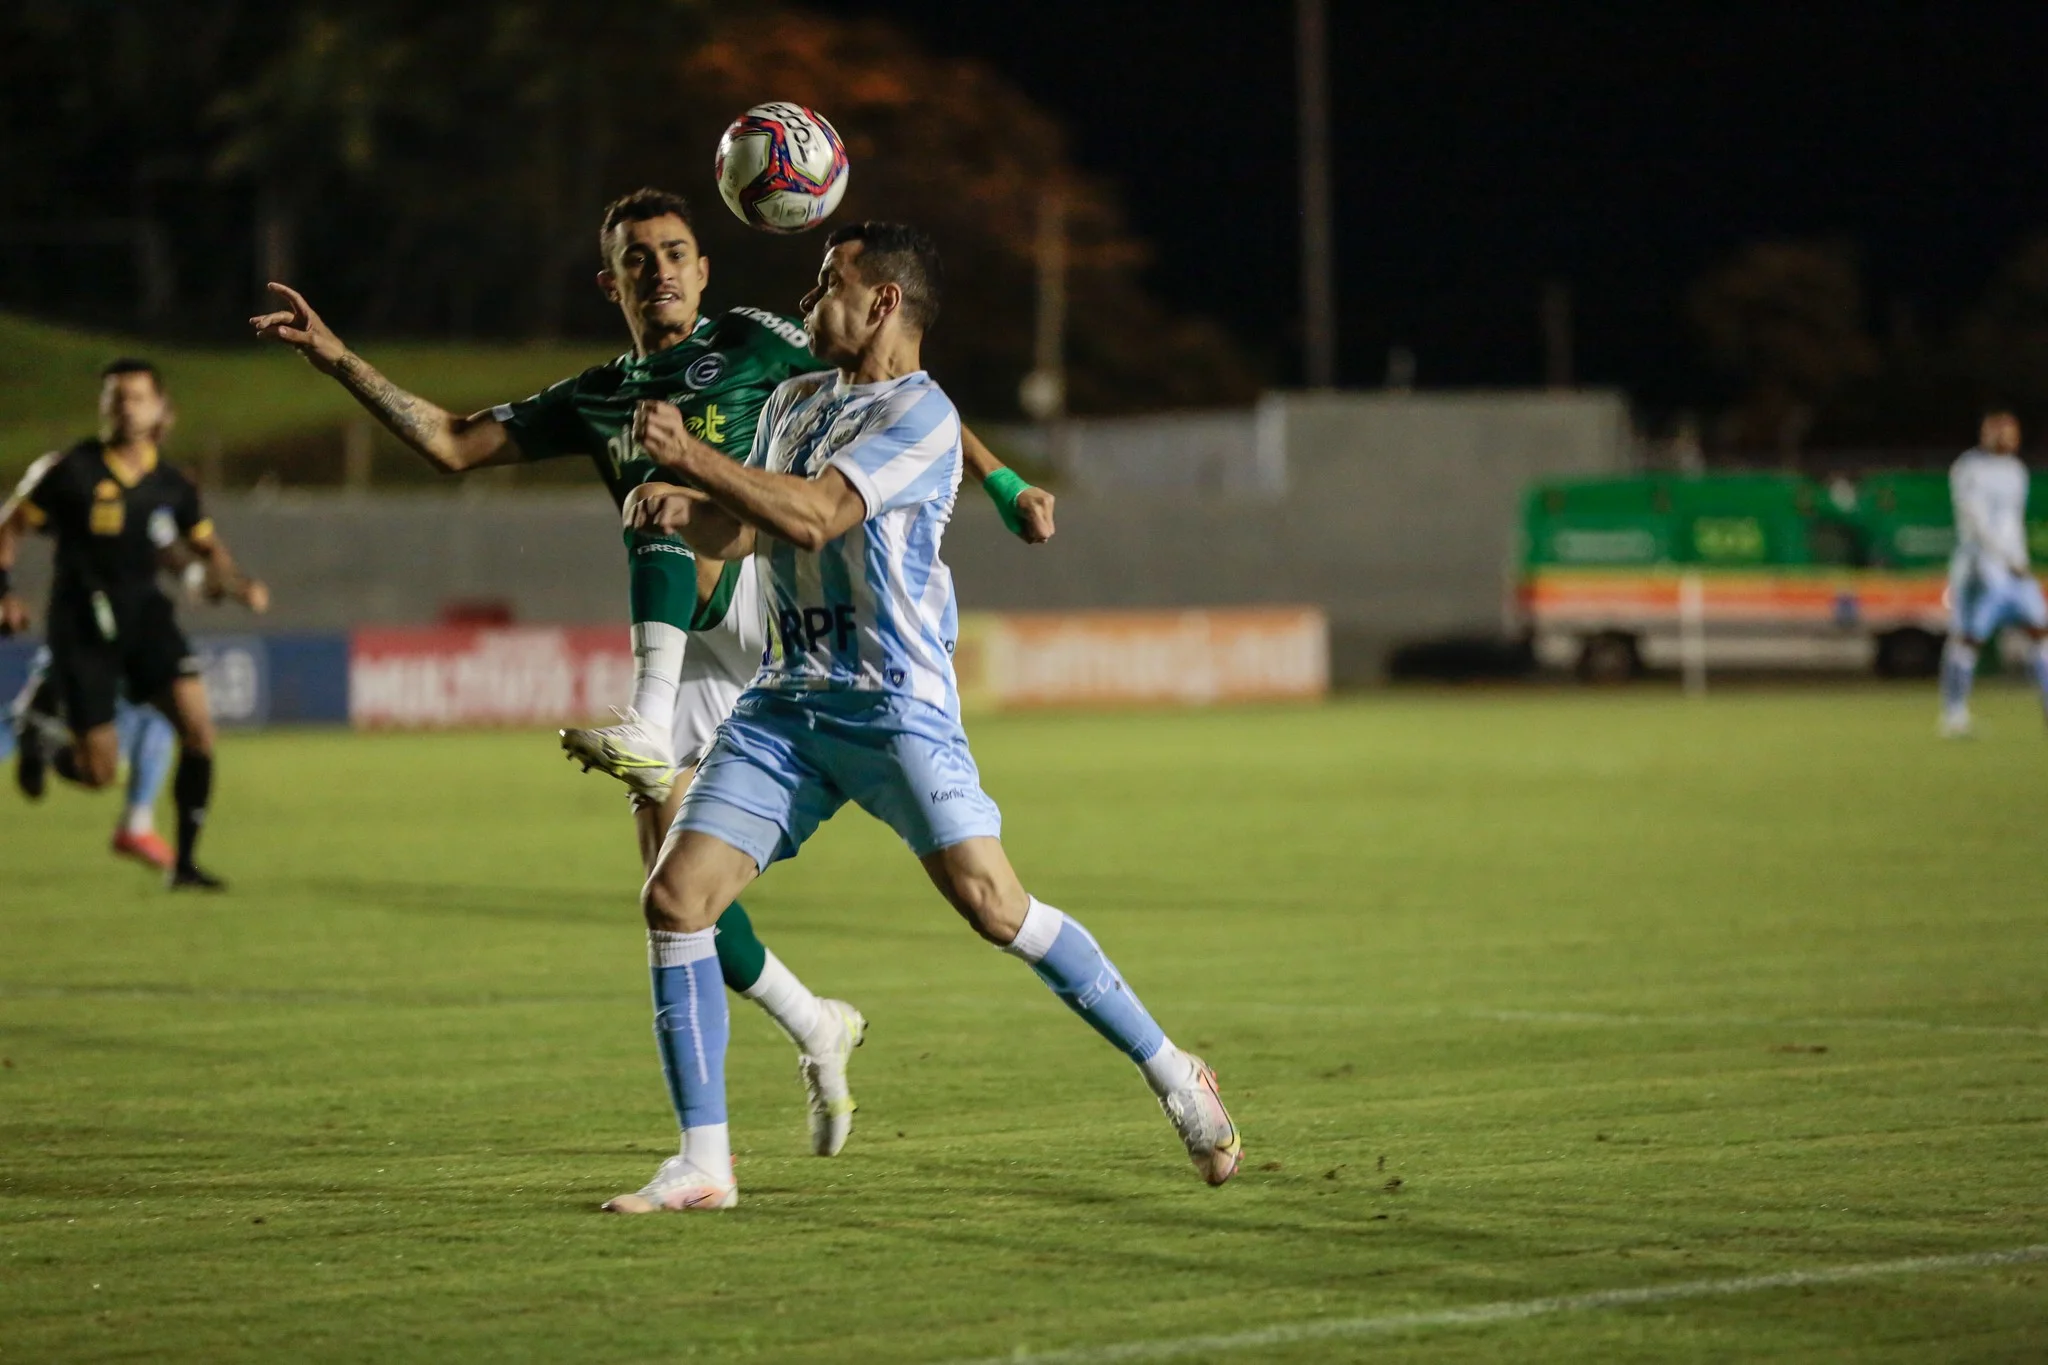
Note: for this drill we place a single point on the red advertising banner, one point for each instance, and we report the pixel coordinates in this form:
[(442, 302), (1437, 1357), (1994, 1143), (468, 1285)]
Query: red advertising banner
[(472, 675), (435, 676)]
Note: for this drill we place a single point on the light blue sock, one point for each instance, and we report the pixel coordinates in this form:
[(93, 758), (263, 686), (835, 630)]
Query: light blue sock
[(1958, 671), (691, 1027), (1068, 959), (151, 742)]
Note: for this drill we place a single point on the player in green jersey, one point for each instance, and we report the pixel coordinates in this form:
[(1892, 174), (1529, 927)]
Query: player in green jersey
[(696, 623)]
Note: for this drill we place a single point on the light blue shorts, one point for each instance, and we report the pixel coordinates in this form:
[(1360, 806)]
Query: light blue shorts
[(1983, 606), (783, 763)]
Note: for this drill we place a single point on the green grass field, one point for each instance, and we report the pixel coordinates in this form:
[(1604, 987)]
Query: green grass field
[(1515, 995)]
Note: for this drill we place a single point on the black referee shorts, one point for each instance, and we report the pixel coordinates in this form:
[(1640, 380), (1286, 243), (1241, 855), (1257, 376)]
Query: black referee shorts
[(147, 654)]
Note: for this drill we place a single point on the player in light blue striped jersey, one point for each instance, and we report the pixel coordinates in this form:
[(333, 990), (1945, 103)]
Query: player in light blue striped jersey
[(1991, 581), (872, 610), (845, 499)]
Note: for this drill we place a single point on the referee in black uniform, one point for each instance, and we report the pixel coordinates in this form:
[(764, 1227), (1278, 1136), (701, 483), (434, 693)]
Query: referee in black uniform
[(118, 515)]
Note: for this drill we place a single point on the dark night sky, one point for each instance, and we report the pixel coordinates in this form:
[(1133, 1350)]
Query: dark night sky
[(1483, 148)]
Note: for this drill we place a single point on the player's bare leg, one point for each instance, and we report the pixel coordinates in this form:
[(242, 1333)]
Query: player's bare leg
[(975, 876), (695, 878), (184, 703), (92, 758), (38, 731)]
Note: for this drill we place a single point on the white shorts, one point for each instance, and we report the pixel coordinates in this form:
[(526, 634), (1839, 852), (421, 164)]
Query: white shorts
[(717, 665)]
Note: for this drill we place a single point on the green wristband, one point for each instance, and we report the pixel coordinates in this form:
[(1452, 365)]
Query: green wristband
[(1004, 487)]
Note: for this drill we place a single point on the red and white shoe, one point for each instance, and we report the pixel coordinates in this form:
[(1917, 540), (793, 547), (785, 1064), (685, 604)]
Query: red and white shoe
[(148, 847), (1204, 1125), (678, 1187)]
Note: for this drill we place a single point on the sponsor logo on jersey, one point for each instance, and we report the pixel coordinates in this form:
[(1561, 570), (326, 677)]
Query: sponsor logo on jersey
[(709, 427), (781, 326), (704, 371)]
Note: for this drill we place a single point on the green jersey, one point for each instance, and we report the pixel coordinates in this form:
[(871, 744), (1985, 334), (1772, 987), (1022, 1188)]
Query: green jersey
[(719, 377)]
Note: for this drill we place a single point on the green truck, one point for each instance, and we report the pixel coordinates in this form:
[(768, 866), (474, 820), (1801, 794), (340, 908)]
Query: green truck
[(1747, 570)]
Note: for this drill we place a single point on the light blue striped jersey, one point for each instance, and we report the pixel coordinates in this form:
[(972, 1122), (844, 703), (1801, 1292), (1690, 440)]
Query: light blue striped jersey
[(1990, 496), (873, 611)]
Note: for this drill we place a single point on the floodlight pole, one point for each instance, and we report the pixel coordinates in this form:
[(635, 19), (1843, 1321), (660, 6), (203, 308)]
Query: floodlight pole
[(1043, 393), (1318, 266), (1049, 343)]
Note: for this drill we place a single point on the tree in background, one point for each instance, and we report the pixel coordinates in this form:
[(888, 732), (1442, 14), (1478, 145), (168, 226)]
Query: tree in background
[(106, 210), (1786, 319), (437, 171), (2003, 342), (958, 150)]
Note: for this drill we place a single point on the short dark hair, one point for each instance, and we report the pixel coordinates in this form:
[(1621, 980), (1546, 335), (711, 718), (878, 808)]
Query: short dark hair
[(129, 364), (639, 206), (899, 254)]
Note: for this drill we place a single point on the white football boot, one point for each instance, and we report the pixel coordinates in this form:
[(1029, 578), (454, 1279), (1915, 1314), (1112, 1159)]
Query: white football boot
[(1955, 725), (1204, 1124), (636, 751), (826, 1094), (678, 1187)]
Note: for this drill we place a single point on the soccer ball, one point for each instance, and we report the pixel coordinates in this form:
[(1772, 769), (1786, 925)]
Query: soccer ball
[(781, 168)]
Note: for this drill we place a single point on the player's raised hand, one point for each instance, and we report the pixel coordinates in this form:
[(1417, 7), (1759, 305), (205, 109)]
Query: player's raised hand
[(13, 615), (256, 596), (296, 325), (1034, 511)]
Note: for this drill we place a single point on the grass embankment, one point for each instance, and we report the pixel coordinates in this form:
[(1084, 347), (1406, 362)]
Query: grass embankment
[(251, 401)]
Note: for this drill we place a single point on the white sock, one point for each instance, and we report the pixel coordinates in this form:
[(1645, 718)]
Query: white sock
[(709, 1149), (657, 665), (140, 819), (790, 1004), (1042, 925), (1168, 1069)]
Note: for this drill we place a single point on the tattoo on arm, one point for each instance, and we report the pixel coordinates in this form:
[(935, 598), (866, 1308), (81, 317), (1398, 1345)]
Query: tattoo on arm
[(412, 419)]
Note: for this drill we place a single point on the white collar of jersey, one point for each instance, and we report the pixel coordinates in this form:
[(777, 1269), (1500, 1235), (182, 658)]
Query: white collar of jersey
[(840, 386)]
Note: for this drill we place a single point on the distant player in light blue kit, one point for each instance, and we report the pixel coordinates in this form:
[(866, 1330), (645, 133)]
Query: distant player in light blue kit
[(845, 497), (1991, 581)]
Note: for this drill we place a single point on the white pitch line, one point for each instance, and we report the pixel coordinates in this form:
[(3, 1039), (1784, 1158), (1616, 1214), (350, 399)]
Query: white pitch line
[(1509, 1310), (1728, 1021)]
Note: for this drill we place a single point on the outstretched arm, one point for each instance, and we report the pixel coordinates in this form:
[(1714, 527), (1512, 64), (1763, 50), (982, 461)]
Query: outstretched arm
[(224, 577), (18, 516), (449, 442), (1025, 509)]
